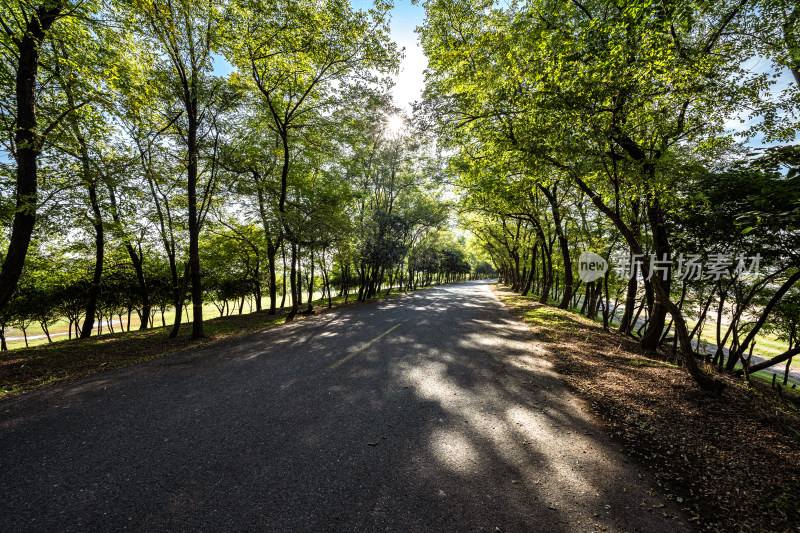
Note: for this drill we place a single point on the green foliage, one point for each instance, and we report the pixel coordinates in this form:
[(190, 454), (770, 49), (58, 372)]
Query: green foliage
[(601, 126), (145, 150)]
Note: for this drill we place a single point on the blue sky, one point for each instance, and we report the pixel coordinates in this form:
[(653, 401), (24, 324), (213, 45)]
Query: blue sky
[(405, 17), (784, 80)]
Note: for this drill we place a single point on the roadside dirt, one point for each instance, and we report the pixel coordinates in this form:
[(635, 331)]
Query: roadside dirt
[(730, 461)]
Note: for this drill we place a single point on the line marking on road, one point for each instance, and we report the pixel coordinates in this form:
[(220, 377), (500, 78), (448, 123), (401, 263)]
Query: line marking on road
[(349, 356)]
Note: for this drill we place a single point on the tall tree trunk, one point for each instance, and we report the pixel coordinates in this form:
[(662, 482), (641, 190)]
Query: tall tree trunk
[(99, 245), (293, 283), (194, 223), (299, 276), (257, 289), (719, 353), (283, 278), (567, 294), (27, 141), (273, 244), (179, 292), (652, 336), (626, 323), (547, 275), (346, 282), (703, 380), (586, 297), (327, 286), (361, 282), (515, 285), (607, 307), (310, 308), (136, 259), (272, 252), (563, 243), (532, 273)]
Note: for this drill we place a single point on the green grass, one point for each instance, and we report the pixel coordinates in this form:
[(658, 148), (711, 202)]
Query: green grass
[(548, 315), (544, 315), (766, 345), (30, 368), (210, 311), (650, 362), (766, 377)]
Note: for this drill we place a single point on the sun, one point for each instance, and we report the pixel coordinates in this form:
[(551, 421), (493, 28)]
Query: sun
[(395, 124)]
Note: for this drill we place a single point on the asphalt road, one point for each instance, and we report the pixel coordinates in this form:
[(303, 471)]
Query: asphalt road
[(427, 412)]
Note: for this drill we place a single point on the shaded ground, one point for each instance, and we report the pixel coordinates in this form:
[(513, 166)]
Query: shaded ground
[(732, 459), (426, 412)]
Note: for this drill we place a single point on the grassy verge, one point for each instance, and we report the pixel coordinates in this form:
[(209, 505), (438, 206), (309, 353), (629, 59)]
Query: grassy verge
[(792, 387), (30, 368), (731, 461), (59, 329), (767, 345)]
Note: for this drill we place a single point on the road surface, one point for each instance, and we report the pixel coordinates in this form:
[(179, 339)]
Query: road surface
[(428, 412)]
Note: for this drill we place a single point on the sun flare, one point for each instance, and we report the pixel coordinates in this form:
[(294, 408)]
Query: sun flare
[(395, 124)]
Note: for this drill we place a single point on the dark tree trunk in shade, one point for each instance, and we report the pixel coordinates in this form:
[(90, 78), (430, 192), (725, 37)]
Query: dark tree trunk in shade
[(97, 276), (27, 142)]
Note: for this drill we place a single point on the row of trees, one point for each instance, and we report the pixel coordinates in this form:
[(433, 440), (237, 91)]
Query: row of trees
[(55, 286), (604, 127), (165, 154)]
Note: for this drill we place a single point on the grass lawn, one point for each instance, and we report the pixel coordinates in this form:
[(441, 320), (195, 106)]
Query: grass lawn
[(25, 369), (767, 345), (762, 376), (58, 330)]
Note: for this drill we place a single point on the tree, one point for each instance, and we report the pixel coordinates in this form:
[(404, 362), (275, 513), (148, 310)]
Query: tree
[(26, 29), (606, 96), (298, 54), (188, 33)]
